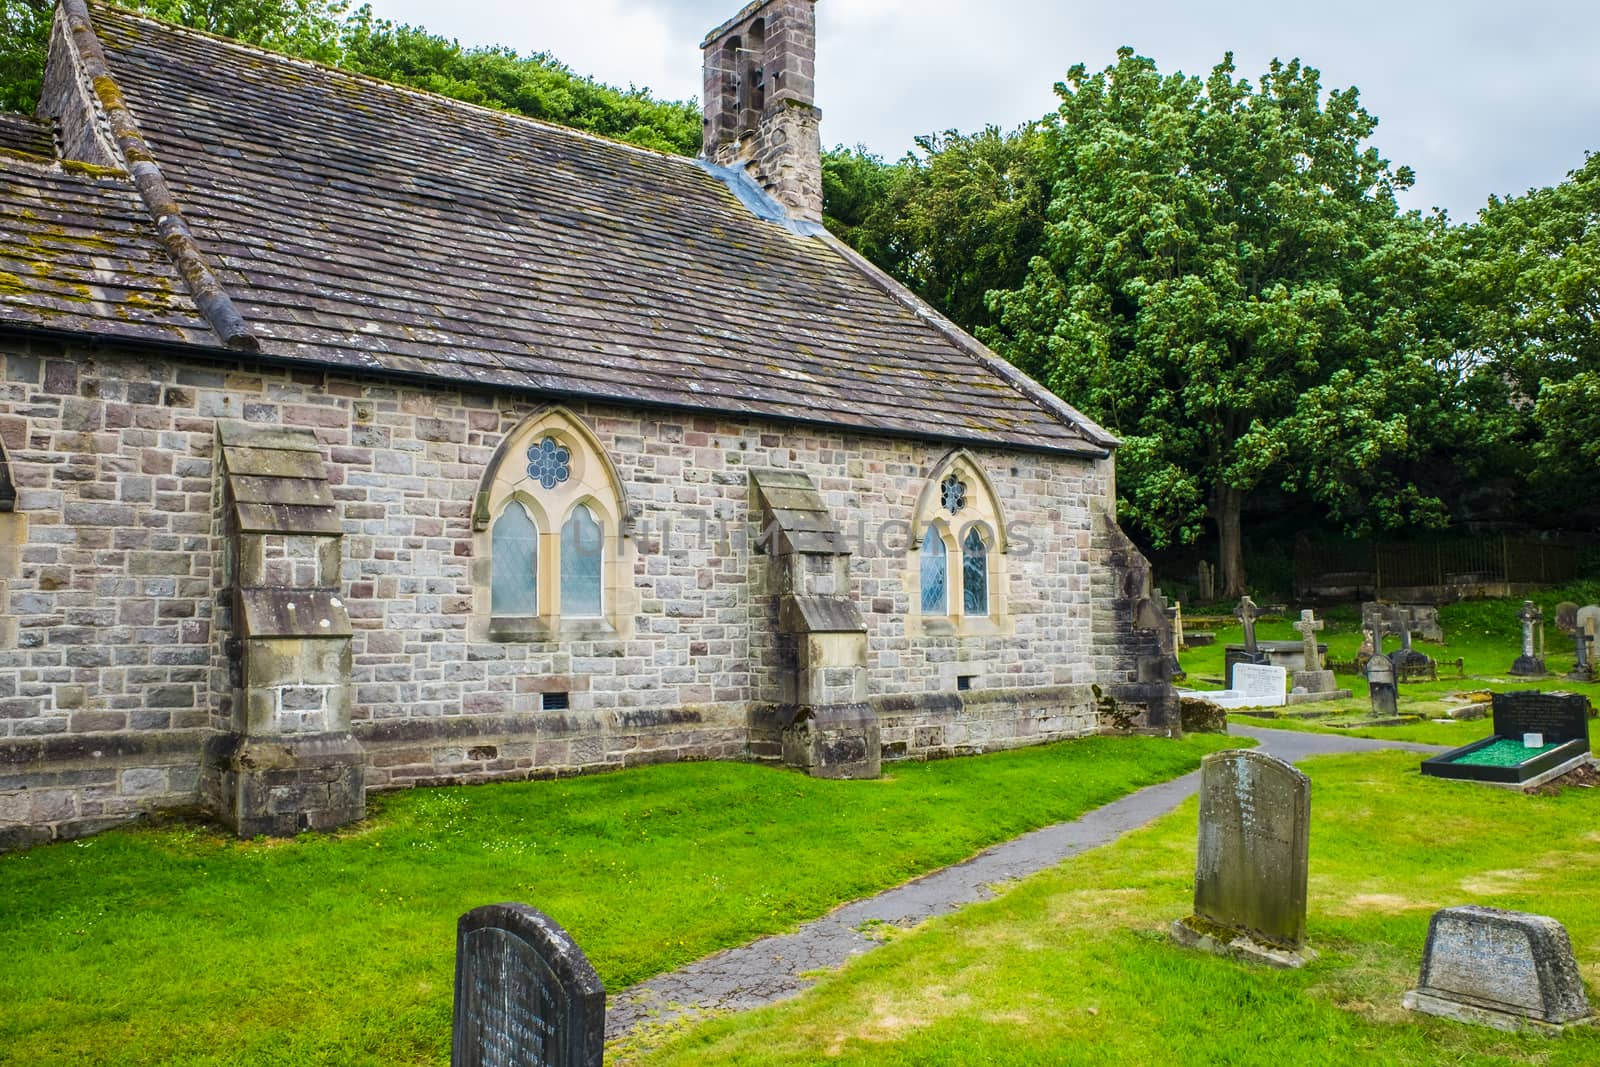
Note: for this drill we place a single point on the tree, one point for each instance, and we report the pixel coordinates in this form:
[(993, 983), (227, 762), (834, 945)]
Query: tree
[(954, 220), (328, 32), (24, 37), (1214, 286), (1531, 289)]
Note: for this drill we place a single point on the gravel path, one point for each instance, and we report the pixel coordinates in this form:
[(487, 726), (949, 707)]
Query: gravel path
[(770, 969)]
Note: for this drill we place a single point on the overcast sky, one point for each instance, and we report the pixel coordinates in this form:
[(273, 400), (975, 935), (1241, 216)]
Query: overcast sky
[(1479, 96)]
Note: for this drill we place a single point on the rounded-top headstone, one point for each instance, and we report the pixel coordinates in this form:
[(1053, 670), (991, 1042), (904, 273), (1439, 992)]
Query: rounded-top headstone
[(525, 994), (1567, 617), (1254, 845)]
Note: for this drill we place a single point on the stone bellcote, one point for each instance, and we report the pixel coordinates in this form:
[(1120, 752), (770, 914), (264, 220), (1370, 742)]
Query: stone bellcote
[(760, 78)]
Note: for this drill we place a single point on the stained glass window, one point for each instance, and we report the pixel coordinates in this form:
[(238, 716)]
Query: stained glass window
[(514, 551), (582, 551), (953, 493), (974, 574), (935, 579), (549, 462)]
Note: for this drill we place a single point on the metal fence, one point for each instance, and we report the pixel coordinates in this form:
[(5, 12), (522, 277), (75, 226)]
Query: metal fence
[(1370, 569)]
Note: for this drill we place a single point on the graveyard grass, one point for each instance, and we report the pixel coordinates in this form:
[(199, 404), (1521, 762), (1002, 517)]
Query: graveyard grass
[(1484, 634), (179, 945), (1074, 966)]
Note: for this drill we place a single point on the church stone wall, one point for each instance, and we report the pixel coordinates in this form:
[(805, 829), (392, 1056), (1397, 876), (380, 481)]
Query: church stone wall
[(114, 671)]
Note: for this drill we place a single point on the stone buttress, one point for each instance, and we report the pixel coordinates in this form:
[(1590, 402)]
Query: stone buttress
[(288, 762), (828, 728)]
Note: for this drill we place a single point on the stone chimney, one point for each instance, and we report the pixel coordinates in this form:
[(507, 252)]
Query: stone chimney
[(760, 72)]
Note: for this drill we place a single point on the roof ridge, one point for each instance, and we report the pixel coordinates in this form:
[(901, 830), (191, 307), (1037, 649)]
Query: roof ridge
[(182, 248), (399, 87), (980, 353)]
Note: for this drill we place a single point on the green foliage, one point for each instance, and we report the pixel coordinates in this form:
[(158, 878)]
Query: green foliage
[(24, 37), (1214, 286), (954, 220), (179, 945), (536, 85), (1531, 293), (327, 31)]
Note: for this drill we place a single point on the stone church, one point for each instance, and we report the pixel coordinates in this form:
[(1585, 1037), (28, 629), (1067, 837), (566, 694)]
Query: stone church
[(356, 438)]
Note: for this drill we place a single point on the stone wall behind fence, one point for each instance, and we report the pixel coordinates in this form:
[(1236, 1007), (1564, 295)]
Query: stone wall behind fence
[(113, 671)]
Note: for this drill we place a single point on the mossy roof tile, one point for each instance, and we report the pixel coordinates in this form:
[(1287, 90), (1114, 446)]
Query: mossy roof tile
[(362, 225)]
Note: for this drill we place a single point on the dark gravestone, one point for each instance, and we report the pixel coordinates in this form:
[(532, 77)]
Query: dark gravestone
[(1547, 735), (1505, 969), (1556, 716), (1250, 867), (1382, 687), (525, 993)]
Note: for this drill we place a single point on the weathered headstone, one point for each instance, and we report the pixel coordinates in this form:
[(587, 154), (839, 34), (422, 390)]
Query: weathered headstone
[(1247, 613), (1531, 663), (1308, 626), (1313, 683), (1382, 687), (1251, 865), (1567, 617), (1504, 969), (525, 994), (1586, 626), (1206, 580), (1177, 625)]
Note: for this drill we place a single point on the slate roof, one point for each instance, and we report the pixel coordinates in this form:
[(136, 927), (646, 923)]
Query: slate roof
[(369, 227)]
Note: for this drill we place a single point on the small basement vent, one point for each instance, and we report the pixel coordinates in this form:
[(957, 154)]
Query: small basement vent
[(557, 701), (964, 682)]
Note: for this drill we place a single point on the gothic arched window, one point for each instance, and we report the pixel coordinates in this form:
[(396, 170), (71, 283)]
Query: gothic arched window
[(515, 555), (582, 559), (974, 574), (935, 573)]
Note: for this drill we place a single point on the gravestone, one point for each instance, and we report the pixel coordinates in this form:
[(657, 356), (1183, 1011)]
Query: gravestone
[(1567, 617), (1586, 626), (1313, 683), (1247, 613), (1537, 737), (1382, 688), (1177, 626), (1260, 685), (1206, 581), (1504, 969), (1405, 657), (1250, 867), (525, 994), (1531, 663)]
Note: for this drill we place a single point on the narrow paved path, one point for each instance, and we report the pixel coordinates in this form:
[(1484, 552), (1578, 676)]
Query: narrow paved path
[(770, 969)]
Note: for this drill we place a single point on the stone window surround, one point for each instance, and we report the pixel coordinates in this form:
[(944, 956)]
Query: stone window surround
[(593, 483), (981, 509)]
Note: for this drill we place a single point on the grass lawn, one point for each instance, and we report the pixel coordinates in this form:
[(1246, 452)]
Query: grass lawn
[(179, 945), (1074, 965), (1485, 635)]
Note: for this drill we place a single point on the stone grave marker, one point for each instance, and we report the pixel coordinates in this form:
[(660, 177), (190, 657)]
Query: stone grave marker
[(1567, 617), (1251, 863), (1260, 685), (1586, 625), (1504, 969), (1531, 663), (525, 994), (1537, 737), (1247, 613), (1382, 688), (1313, 683), (1206, 583)]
